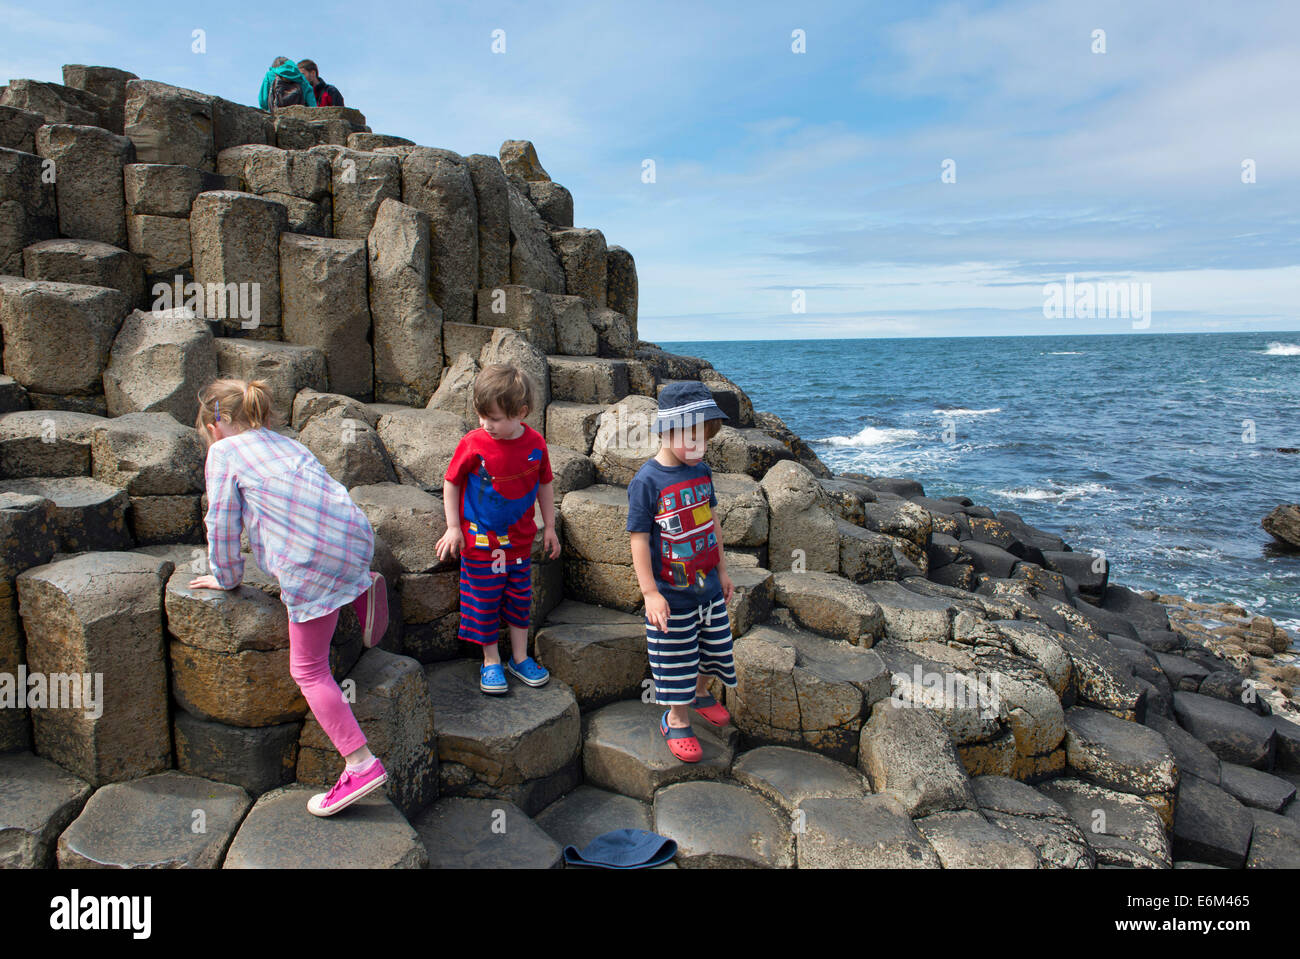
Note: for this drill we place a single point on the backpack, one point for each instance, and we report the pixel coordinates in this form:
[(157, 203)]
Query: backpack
[(285, 93)]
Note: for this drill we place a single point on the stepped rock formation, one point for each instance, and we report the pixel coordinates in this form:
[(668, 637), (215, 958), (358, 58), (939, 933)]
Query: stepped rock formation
[(923, 683)]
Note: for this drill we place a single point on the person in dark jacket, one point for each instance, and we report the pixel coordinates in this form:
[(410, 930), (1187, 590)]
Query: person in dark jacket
[(327, 95), (284, 86)]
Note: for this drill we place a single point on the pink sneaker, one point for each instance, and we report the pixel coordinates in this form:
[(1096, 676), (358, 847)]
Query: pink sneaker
[(374, 615), (349, 788)]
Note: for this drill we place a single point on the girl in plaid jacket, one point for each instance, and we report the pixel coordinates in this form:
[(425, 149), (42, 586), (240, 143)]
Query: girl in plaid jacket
[(304, 530)]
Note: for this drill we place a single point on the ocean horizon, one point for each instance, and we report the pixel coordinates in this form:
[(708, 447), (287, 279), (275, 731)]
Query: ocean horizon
[(1161, 450)]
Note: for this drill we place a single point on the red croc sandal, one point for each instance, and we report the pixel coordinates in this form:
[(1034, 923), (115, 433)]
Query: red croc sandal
[(681, 742), (712, 710)]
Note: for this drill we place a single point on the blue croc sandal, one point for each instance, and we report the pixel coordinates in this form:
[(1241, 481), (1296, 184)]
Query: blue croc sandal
[(681, 742), (492, 679), (528, 672)]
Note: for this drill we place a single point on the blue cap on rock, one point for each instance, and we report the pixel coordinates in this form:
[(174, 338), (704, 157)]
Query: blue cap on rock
[(684, 403), (623, 849)]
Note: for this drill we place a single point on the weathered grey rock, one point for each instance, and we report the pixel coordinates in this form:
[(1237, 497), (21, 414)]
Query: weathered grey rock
[(266, 170), (601, 662), (159, 520), (989, 559), (1287, 738), (169, 124), (87, 262), (1190, 754), (583, 255), (148, 454), (305, 217), (575, 335), (455, 392), (519, 158), (720, 826), (623, 750), (278, 833), (235, 238), (407, 322), (464, 339), (587, 812), (1209, 825), (513, 348), (373, 141), (256, 760), (909, 616), (1123, 829), (525, 750), (165, 821), (1257, 789), (27, 208), (55, 102), (1102, 676), (286, 368), (361, 183), (951, 685), (1274, 842), (791, 777), (588, 379), (236, 124), (162, 245), (553, 202), (1040, 822), (46, 443), (595, 521), (88, 163), (37, 801), (57, 336), (1101, 621), (533, 260), (751, 600), (1283, 523), (966, 840), (909, 755), (802, 532), (393, 707), (870, 832), (484, 834), (741, 513), (438, 182), (573, 424), (325, 305), (796, 688), (158, 364), (349, 448), (1119, 755), (493, 202), (87, 514), (309, 403), (107, 83), (520, 308), (824, 603), (750, 451), (621, 285), (408, 519), (421, 443), (1234, 733), (1183, 674), (18, 129), (100, 614)]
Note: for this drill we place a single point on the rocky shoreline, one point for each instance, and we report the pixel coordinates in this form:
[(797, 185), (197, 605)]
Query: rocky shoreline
[(923, 682)]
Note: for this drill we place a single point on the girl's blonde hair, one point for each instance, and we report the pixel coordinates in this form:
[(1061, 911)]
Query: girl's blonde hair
[(245, 404)]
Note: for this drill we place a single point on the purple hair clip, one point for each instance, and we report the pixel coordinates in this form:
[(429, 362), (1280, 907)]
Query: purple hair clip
[(218, 410)]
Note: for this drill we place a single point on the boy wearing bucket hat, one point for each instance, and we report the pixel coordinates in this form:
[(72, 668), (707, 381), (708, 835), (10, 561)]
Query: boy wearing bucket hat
[(678, 557)]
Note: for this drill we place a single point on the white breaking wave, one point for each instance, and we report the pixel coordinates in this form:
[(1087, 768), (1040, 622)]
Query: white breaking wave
[(960, 411), (1282, 349), (1066, 353), (873, 436), (1057, 493)]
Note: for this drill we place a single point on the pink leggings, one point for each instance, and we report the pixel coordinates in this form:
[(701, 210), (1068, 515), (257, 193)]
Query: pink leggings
[(309, 665)]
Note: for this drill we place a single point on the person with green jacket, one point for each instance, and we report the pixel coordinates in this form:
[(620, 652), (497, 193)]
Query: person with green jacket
[(284, 85)]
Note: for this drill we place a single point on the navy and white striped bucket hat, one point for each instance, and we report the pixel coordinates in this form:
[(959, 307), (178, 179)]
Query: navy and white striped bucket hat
[(683, 404)]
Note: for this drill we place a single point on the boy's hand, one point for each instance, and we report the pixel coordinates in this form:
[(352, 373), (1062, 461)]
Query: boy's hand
[(205, 582), (728, 587), (550, 542), (656, 610), (452, 542)]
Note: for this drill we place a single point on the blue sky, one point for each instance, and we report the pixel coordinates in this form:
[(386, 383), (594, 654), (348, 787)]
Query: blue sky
[(820, 171)]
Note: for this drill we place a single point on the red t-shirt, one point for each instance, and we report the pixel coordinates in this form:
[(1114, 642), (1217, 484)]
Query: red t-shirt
[(499, 480)]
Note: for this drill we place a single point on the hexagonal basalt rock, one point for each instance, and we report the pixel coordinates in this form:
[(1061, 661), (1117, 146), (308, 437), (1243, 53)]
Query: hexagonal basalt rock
[(789, 777), (1119, 755), (522, 747), (464, 833), (870, 832), (88, 514), (588, 812), (722, 826), (826, 604), (966, 840), (909, 755), (167, 821), (1038, 821), (798, 688), (95, 634), (909, 616), (601, 662), (255, 759), (595, 521), (1210, 825), (279, 833), (1122, 829), (623, 750), (37, 801), (1234, 733), (949, 684)]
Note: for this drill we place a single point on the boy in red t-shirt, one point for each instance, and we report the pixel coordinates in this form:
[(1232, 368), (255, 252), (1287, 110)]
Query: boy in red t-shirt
[(498, 473)]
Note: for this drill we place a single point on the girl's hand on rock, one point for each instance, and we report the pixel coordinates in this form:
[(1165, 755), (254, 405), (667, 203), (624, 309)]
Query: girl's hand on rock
[(205, 582)]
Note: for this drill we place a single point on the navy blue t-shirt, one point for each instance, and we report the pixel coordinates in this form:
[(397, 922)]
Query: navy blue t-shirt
[(674, 504)]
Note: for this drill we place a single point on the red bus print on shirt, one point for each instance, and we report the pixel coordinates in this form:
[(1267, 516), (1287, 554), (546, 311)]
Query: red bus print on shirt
[(687, 536)]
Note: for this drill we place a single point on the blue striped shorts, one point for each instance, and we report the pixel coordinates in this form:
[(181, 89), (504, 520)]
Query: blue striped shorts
[(487, 596), (697, 640)]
